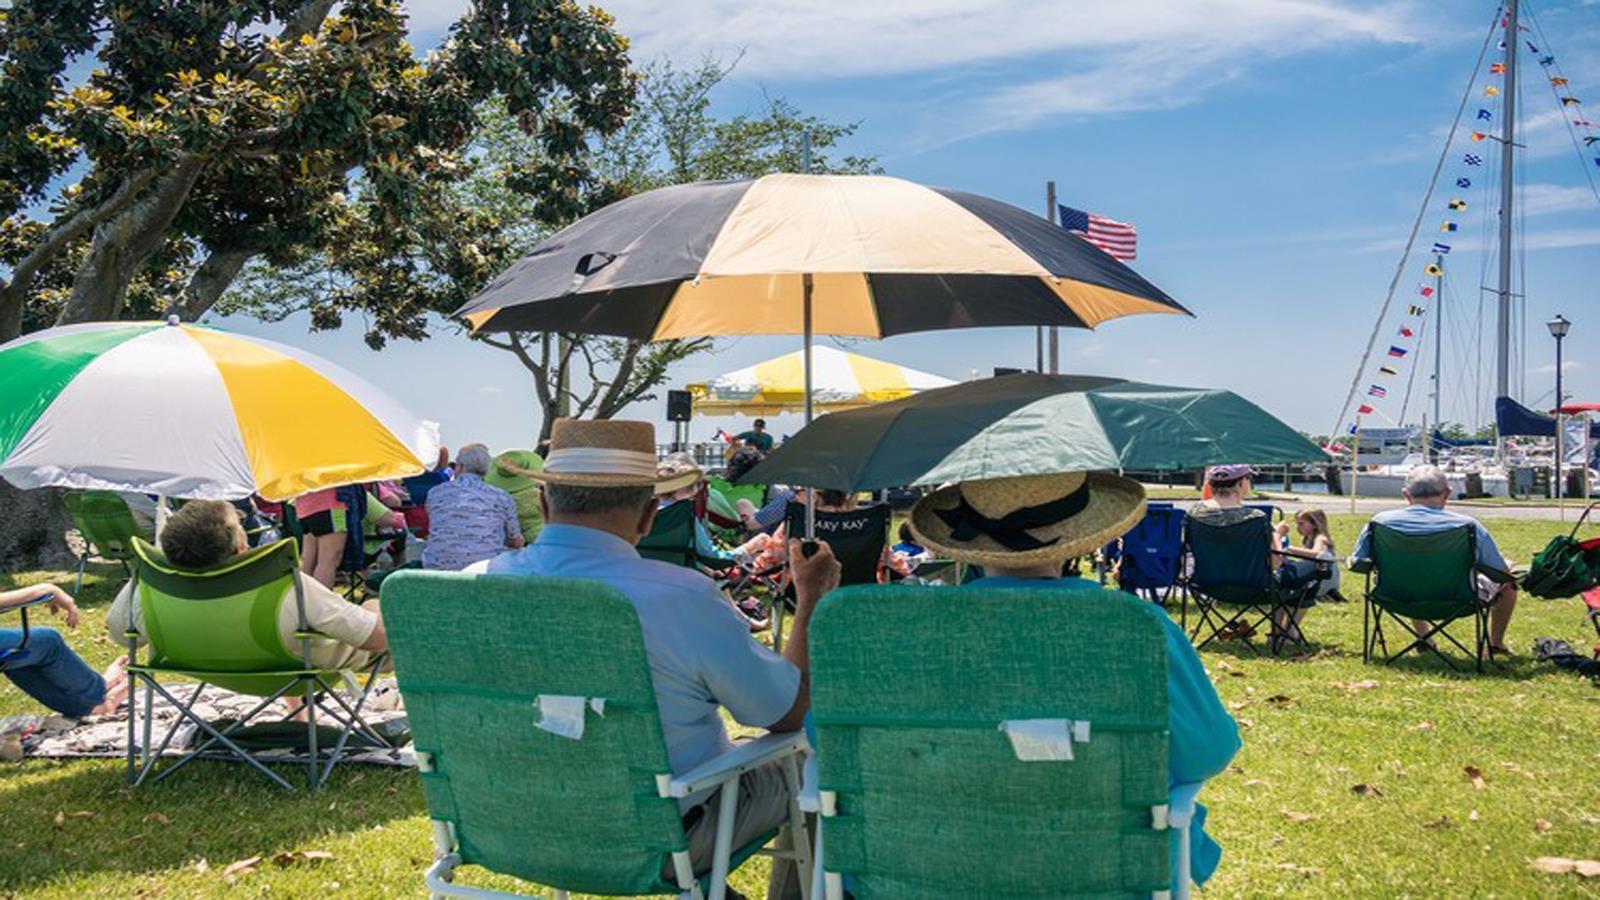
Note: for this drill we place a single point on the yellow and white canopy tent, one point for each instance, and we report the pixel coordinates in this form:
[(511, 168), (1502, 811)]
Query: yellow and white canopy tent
[(840, 381)]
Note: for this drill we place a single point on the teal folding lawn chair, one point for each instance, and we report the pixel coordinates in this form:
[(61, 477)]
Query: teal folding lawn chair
[(539, 743), (1430, 578), (107, 526), (671, 539), (1235, 588), (220, 627), (964, 750)]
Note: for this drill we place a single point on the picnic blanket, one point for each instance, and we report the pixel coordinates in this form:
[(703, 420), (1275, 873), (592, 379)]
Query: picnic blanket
[(107, 736)]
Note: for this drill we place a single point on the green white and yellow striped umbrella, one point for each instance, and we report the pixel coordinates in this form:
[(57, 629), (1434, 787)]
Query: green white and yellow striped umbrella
[(840, 381), (188, 411)]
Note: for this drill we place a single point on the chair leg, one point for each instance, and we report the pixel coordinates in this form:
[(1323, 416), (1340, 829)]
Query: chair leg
[(83, 561), (133, 719), (309, 689), (798, 838), (727, 810)]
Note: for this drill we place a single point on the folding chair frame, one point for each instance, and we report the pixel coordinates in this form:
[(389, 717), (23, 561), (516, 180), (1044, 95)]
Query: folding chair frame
[(22, 645), (308, 681), (1374, 644), (722, 773), (1273, 599)]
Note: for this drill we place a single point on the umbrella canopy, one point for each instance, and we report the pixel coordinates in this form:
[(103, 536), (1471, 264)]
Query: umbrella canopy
[(840, 381), (879, 255), (1031, 424), (186, 411)]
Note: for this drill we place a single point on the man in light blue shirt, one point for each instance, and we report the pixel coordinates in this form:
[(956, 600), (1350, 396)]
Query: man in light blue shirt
[(599, 499), (1427, 491)]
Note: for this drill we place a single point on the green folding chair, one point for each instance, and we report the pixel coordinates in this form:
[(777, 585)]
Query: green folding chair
[(220, 627), (671, 539), (965, 751), (1430, 578), (107, 526), (1234, 586), (487, 664)]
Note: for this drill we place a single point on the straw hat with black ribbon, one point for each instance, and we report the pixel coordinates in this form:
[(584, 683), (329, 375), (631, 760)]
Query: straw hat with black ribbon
[(608, 453), (1027, 520)]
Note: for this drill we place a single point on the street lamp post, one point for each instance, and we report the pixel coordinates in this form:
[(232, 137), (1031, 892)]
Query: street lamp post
[(1559, 326)]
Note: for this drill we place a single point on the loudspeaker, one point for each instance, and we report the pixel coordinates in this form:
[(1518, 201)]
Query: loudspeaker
[(680, 405)]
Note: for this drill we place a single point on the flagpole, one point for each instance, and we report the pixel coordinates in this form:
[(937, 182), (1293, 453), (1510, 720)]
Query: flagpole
[(1438, 346), (1055, 334)]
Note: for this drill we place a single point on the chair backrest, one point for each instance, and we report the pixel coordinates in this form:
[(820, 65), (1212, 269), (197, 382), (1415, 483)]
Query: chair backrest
[(104, 520), (911, 684), (671, 537), (473, 654), (1232, 562), (857, 538), (1152, 553), (755, 493), (1424, 576), (223, 619), (354, 498)]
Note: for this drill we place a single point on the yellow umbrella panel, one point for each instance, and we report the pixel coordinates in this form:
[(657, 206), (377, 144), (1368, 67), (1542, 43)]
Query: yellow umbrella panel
[(840, 381)]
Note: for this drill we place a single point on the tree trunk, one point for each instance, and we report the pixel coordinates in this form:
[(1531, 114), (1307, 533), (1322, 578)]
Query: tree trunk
[(209, 282), (32, 531)]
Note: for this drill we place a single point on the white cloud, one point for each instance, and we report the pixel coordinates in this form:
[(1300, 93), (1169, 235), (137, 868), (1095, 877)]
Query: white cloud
[(1092, 58), (1563, 238), (1544, 199), (491, 389)]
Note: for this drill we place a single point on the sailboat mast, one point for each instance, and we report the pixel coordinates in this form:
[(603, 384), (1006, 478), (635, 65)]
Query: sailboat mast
[(1438, 350), (1508, 137)]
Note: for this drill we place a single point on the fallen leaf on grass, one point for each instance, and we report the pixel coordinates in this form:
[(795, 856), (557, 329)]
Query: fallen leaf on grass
[(1299, 870), (1542, 824), (1472, 816), (1515, 769), (201, 866), (1354, 686), (1475, 775), (1293, 816), (1366, 790), (1245, 723), (1237, 705), (156, 817), (1420, 726), (60, 820), (1441, 822), (297, 857), (1560, 865), (82, 814), (1254, 782), (240, 868), (1281, 699)]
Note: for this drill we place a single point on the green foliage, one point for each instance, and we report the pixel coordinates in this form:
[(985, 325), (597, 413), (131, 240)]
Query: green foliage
[(233, 128)]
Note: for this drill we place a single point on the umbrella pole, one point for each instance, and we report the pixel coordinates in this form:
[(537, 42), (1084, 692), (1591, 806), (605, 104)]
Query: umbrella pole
[(805, 312)]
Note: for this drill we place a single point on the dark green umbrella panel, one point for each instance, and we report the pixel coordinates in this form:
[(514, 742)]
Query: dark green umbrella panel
[(1029, 424)]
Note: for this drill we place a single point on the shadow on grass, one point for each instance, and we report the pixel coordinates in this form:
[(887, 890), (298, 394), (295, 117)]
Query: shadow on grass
[(220, 812)]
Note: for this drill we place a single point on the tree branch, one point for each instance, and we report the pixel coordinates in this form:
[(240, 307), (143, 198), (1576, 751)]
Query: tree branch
[(209, 281)]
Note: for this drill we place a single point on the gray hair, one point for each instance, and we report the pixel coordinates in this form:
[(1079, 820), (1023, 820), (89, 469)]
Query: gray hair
[(474, 458), (1426, 482), (582, 499)]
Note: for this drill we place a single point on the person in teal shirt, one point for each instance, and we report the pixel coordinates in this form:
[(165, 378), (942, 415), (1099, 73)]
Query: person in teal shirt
[(757, 437), (1022, 530)]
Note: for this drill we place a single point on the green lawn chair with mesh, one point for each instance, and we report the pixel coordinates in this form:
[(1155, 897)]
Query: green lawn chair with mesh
[(965, 751), (1235, 587), (539, 743), (1431, 578), (220, 627), (107, 526), (671, 539)]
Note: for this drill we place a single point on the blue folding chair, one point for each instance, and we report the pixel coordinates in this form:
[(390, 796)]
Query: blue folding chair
[(1152, 553)]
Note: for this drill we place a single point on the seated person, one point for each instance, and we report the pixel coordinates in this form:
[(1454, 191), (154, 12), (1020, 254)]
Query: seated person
[(510, 474), (48, 670), (469, 520), (679, 466), (206, 533), (1315, 536), (961, 522), (381, 522), (907, 553), (756, 437), (1427, 491), (596, 508)]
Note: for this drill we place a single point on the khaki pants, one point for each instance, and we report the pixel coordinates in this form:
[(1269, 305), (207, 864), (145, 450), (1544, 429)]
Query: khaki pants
[(762, 806)]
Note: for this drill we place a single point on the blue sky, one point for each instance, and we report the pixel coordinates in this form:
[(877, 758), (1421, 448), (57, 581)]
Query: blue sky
[(1272, 153)]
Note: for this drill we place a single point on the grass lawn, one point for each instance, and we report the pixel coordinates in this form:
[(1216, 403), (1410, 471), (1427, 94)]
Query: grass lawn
[(1287, 814)]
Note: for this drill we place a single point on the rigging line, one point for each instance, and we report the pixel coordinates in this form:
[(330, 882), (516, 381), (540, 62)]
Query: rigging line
[(1422, 210), (1572, 130), (1416, 362)]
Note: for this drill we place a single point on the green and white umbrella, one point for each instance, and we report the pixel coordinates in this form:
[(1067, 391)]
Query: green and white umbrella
[(187, 411)]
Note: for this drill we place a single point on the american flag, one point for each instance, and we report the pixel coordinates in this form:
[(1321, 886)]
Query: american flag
[(1119, 239)]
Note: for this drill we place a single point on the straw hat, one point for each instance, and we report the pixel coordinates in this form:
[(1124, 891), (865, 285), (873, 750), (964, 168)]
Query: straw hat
[(607, 453), (1028, 519)]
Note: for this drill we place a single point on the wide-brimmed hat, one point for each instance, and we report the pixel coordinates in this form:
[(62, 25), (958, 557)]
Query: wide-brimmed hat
[(607, 453), (1028, 519), (512, 471)]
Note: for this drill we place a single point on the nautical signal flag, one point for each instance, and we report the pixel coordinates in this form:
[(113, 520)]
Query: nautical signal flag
[(1478, 135), (1558, 81), (1463, 182), (1416, 310), (1448, 225), (1425, 290), (1441, 249), (1590, 140), (1458, 204), (1377, 390), (1471, 160), (1405, 331), (1491, 91), (1362, 410), (1497, 68), (1388, 370), (1484, 114), (1396, 352), (1570, 101), (1433, 270), (1545, 60)]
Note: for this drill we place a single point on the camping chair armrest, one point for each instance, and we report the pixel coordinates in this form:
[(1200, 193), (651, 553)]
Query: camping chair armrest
[(1183, 795), (35, 601), (742, 758), (1493, 574), (1361, 566)]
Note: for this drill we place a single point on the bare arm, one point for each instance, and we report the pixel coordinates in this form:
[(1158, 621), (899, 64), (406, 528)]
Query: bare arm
[(813, 578), (61, 602)]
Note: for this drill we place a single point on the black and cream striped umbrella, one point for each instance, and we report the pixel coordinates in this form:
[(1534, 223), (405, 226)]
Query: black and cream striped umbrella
[(873, 255)]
